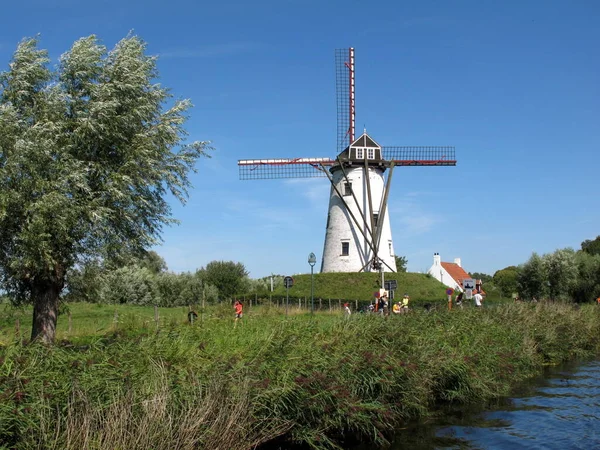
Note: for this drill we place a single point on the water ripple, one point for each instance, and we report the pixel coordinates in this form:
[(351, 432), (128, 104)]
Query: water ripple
[(562, 412)]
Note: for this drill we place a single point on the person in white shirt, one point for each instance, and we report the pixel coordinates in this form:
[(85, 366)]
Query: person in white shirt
[(347, 309), (478, 299)]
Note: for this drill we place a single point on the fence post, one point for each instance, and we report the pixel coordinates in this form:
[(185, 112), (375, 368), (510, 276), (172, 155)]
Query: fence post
[(329, 305), (339, 303), (299, 303), (356, 304), (203, 305)]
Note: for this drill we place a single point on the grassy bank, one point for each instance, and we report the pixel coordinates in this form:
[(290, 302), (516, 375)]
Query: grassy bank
[(320, 381)]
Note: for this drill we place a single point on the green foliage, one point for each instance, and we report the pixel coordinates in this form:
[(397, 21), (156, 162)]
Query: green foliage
[(532, 279), (506, 281), (587, 287), (184, 289), (561, 271), (591, 247), (131, 284), (84, 282), (229, 277), (88, 153), (401, 263), (484, 277), (561, 275), (153, 262)]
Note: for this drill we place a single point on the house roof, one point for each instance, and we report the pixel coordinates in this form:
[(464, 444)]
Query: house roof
[(456, 272), (363, 141)]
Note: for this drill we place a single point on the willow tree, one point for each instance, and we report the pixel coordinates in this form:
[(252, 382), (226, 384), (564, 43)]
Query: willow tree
[(89, 151)]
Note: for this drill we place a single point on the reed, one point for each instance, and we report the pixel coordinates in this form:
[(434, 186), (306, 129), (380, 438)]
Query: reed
[(322, 381)]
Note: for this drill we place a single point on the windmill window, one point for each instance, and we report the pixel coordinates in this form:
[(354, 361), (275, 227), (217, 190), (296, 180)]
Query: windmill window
[(375, 218), (390, 247), (370, 153), (345, 248), (359, 153), (347, 189)]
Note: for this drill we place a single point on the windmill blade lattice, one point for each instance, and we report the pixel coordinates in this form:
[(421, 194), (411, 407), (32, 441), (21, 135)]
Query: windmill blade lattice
[(420, 155), (344, 95), (262, 169)]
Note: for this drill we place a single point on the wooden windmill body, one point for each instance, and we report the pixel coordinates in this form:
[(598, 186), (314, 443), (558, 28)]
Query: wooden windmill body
[(358, 234)]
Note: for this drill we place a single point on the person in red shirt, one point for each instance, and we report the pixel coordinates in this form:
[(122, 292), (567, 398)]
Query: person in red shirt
[(238, 310)]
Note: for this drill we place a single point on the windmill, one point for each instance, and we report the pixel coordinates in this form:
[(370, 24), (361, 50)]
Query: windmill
[(358, 234)]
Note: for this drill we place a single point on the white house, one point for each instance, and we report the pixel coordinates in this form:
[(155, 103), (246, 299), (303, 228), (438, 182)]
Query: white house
[(450, 274)]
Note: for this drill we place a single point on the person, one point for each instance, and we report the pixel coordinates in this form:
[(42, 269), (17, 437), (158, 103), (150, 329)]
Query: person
[(239, 308), (405, 301), (380, 308), (347, 309), (397, 308), (192, 316), (478, 298), (458, 300), (598, 301), (386, 310)]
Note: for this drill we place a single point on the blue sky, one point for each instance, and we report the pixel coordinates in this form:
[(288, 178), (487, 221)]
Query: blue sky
[(513, 85)]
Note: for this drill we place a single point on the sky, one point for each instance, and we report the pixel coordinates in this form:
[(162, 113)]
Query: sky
[(514, 86)]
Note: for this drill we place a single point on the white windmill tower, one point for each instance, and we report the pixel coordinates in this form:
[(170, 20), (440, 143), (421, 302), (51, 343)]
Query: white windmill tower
[(357, 223), (358, 235)]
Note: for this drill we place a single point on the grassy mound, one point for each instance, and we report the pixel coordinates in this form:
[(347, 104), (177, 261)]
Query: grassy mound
[(361, 286)]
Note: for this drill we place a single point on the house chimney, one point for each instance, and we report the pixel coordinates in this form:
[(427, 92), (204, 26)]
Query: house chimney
[(457, 262), (436, 259)]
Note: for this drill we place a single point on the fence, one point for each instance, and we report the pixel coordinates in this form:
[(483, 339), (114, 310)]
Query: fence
[(306, 303)]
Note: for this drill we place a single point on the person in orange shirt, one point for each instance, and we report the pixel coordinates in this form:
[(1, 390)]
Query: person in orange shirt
[(598, 301), (238, 310)]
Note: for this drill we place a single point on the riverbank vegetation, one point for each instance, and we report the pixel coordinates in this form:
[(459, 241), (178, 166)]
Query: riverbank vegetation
[(321, 381)]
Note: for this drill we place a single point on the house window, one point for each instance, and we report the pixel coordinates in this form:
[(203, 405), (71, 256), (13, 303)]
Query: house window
[(347, 189), (370, 153), (359, 153), (345, 248)]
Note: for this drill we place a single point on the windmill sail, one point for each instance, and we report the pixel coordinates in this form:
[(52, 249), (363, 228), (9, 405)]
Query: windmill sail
[(420, 155), (261, 169), (358, 231), (344, 93)]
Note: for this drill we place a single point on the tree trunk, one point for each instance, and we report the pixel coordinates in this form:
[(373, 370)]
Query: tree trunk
[(45, 297)]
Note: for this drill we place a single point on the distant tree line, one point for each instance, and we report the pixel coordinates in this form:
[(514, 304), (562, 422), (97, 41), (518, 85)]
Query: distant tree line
[(564, 274), (145, 280)]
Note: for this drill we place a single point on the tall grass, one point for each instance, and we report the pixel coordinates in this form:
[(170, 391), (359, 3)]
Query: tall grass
[(322, 381)]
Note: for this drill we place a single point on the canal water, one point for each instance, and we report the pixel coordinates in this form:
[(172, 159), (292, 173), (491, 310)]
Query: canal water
[(558, 411)]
